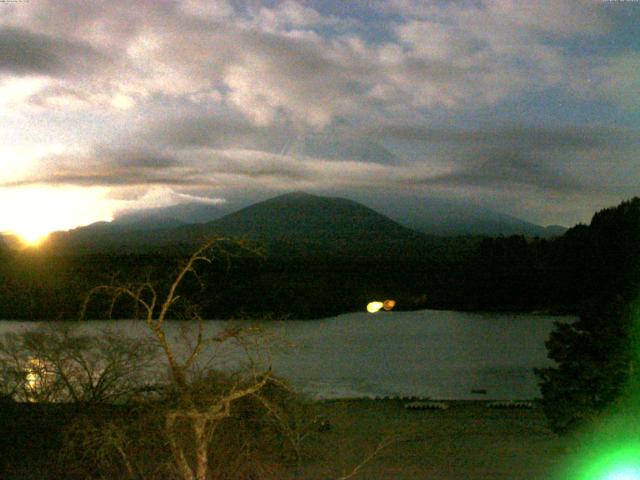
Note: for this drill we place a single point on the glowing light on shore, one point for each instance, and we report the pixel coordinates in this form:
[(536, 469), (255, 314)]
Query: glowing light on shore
[(376, 306), (373, 307)]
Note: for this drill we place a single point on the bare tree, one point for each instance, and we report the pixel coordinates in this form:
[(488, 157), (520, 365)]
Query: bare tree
[(58, 363), (195, 410)]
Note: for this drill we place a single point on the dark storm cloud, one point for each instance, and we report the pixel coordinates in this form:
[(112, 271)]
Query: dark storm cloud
[(238, 133), (107, 179), (563, 160), (23, 52), (260, 172), (504, 168), (107, 166), (250, 165), (137, 159), (113, 167), (563, 138)]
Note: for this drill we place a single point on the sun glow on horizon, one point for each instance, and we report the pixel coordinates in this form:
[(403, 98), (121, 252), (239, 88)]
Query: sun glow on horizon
[(31, 238), (31, 214)]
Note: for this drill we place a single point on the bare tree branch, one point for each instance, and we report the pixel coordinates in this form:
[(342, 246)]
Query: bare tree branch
[(368, 458)]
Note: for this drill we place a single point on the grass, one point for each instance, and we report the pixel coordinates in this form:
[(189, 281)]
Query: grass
[(466, 441)]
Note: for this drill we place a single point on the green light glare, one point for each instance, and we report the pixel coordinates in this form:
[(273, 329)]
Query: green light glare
[(620, 462), (625, 473), (610, 448)]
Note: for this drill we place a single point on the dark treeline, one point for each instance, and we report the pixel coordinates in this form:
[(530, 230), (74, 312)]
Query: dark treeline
[(298, 280)]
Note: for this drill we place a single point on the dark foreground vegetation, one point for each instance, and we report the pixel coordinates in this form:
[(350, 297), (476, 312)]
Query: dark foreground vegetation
[(468, 440), (299, 279), (596, 376), (130, 440)]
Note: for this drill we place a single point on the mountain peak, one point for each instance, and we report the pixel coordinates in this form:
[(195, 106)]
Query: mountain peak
[(296, 193), (307, 216)]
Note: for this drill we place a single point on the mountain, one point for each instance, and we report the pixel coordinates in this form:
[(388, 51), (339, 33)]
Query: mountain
[(554, 231), (111, 235), (138, 228), (429, 215), (296, 222), (304, 216), (436, 216), (303, 222), (312, 226), (192, 212)]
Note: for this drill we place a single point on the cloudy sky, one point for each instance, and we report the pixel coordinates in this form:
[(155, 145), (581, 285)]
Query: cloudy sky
[(527, 107)]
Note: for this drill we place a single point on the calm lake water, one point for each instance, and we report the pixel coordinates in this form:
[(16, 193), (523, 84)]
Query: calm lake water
[(437, 354)]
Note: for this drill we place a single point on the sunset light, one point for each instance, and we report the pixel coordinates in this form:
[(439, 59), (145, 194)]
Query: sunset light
[(31, 237), (33, 213)]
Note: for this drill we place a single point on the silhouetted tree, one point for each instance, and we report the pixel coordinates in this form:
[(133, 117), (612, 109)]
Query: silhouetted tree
[(596, 360), (596, 356)]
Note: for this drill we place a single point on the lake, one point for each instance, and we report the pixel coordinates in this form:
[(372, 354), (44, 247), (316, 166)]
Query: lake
[(428, 353)]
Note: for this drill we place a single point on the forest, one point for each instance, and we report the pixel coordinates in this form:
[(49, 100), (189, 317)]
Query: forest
[(298, 280)]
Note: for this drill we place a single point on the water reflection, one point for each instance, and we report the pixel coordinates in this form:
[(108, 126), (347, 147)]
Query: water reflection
[(438, 354), (38, 374), (64, 363)]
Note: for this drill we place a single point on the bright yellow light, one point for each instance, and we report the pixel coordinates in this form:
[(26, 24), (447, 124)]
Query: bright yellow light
[(32, 213), (32, 237), (374, 307)]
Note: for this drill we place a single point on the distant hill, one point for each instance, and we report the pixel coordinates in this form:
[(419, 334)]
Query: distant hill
[(436, 216), (139, 228), (113, 235), (183, 213), (301, 222), (554, 231), (430, 215), (308, 217)]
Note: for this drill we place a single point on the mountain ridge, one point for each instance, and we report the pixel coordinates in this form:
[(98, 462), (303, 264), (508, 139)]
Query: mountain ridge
[(294, 217), (301, 221)]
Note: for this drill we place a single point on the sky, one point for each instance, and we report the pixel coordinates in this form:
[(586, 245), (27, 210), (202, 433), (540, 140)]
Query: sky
[(527, 108)]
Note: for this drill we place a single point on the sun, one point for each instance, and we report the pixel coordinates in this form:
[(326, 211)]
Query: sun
[(31, 237), (31, 214)]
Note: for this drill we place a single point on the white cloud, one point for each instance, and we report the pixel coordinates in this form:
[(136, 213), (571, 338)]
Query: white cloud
[(289, 14), (273, 64), (163, 196), (20, 160), (15, 91), (210, 9)]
